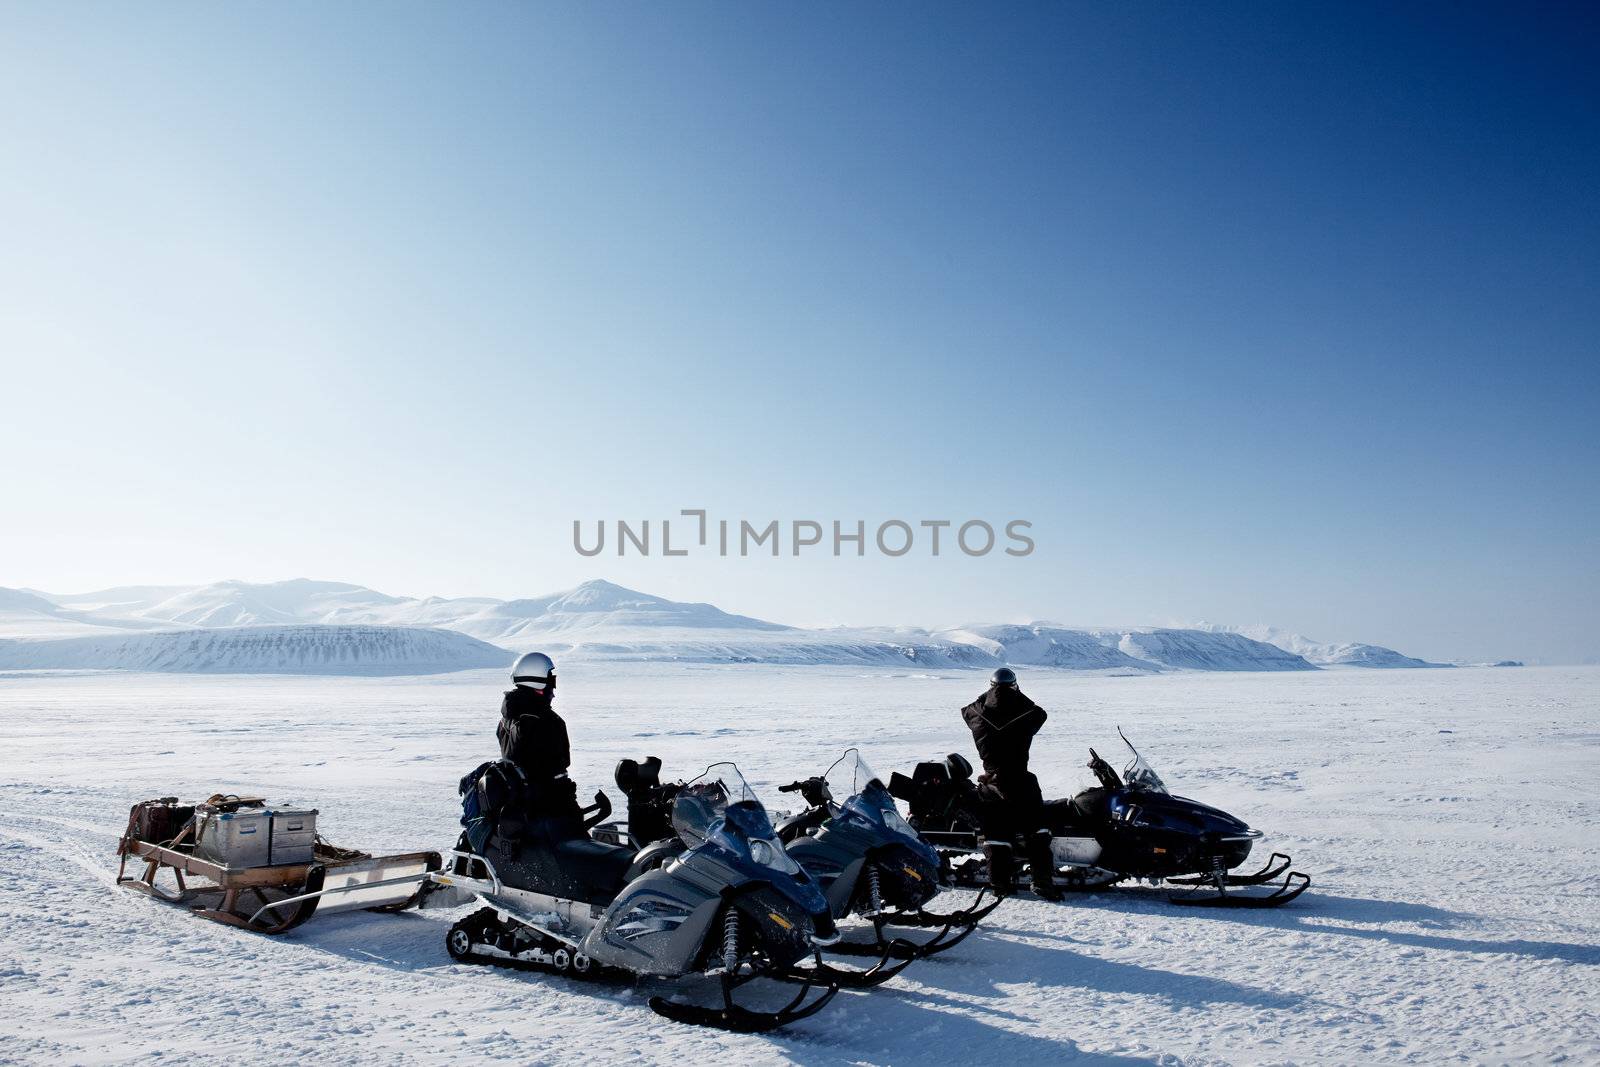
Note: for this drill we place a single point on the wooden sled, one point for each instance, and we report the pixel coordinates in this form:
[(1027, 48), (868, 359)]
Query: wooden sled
[(271, 900)]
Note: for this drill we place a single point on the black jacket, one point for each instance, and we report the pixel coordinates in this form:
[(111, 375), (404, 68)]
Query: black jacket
[(1003, 723), (533, 736)]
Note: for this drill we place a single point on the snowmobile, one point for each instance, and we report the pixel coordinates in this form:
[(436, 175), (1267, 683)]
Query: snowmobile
[(651, 830), (871, 863), (730, 905), (1129, 827)]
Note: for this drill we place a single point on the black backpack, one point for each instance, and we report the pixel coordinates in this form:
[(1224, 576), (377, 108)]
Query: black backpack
[(492, 791)]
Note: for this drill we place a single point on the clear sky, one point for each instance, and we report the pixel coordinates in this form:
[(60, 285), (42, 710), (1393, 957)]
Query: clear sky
[(1259, 313)]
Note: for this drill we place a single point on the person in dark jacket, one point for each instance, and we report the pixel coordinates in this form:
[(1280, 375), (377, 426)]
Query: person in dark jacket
[(1003, 722), (534, 737)]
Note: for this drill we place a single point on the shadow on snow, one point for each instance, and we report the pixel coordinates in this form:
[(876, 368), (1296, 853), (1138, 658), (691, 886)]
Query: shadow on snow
[(1323, 913), (871, 1023)]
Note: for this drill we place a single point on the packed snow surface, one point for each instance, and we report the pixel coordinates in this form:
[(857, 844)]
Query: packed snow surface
[(1448, 819)]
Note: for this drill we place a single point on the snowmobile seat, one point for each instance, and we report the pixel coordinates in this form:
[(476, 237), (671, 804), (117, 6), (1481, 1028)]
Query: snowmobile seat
[(577, 868), (600, 869), (1080, 815), (792, 828)]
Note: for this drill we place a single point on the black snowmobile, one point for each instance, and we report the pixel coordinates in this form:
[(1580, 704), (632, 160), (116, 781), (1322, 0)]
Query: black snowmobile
[(732, 905), (1127, 827), (657, 836), (871, 863)]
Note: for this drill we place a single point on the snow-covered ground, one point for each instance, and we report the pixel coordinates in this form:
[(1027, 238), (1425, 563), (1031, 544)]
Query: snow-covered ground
[(1448, 818)]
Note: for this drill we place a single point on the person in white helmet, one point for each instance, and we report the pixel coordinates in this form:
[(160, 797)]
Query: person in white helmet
[(534, 737)]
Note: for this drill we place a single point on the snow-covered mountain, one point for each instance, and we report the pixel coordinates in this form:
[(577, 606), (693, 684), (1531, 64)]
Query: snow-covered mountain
[(297, 649), (1347, 654), (122, 600), (601, 611), (1205, 650), (787, 646), (246, 604), (599, 619), (24, 613), (1042, 645), (1126, 650)]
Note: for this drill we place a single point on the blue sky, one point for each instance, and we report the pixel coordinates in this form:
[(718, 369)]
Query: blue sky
[(1258, 313)]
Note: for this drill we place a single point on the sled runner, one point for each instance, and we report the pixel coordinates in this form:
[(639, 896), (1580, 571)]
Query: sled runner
[(228, 843)]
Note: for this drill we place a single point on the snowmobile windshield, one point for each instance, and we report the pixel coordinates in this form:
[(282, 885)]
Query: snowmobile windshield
[(858, 795), (848, 776), (704, 802), (1138, 774), (720, 813)]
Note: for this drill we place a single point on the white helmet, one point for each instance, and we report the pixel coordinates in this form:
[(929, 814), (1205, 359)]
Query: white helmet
[(534, 670)]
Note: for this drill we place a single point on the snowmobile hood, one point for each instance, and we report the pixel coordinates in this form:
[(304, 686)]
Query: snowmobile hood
[(1166, 812)]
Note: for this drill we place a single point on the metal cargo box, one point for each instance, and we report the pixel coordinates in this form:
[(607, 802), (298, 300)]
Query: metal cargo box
[(241, 837), (252, 835), (294, 835)]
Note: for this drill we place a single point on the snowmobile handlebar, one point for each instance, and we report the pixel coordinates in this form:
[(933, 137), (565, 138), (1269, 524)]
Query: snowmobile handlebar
[(601, 809), (814, 790), (1104, 771)]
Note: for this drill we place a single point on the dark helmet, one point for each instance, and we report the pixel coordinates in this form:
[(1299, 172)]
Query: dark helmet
[(1003, 676)]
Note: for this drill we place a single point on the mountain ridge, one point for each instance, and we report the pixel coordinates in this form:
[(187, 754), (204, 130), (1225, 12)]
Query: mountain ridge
[(306, 648), (600, 619)]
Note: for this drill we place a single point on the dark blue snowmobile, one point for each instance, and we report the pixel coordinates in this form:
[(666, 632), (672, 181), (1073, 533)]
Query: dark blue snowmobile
[(860, 851), (1129, 827), (872, 864)]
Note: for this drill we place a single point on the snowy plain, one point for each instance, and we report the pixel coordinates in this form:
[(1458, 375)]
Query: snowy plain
[(1448, 818)]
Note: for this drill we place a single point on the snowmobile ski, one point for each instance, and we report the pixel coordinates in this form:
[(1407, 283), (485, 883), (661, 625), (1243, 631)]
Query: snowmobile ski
[(1276, 865), (1294, 883), (739, 1019), (971, 915), (849, 977)]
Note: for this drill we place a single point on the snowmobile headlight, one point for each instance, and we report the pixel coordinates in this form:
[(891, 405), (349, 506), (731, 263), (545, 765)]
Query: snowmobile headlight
[(897, 822), (771, 854), (762, 851)]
